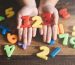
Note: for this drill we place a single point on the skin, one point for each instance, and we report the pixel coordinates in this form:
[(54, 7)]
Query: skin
[(49, 31), (29, 9)]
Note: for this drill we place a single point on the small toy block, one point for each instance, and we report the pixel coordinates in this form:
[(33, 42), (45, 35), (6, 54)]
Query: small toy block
[(44, 53), (64, 13), (73, 28), (12, 38), (37, 22), (72, 41), (47, 18), (9, 50), (26, 21), (61, 11), (52, 42), (4, 30), (55, 52), (61, 28), (73, 33), (2, 18), (65, 37), (9, 12)]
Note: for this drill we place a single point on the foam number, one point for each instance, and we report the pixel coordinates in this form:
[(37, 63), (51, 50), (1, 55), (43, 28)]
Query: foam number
[(55, 52), (9, 50), (72, 42), (26, 21), (4, 30), (9, 12), (2, 18), (73, 33), (47, 18), (12, 38), (44, 53), (37, 22), (61, 29), (65, 36)]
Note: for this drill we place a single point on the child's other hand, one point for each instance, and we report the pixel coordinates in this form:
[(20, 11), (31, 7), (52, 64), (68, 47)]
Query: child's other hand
[(26, 33), (49, 31)]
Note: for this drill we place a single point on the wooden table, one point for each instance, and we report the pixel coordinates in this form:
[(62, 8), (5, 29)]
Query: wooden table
[(34, 47)]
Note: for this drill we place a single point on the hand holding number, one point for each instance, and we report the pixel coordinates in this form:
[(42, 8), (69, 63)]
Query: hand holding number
[(49, 30), (27, 32)]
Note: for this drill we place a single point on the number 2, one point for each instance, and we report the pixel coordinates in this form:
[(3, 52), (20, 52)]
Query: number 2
[(37, 22), (44, 53)]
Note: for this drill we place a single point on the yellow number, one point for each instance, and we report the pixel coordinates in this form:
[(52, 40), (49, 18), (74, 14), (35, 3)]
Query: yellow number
[(9, 12), (44, 53), (37, 22)]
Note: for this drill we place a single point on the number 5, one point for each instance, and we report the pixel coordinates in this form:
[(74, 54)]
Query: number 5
[(9, 12)]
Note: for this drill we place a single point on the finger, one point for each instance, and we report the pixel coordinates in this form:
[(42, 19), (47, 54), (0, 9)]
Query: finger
[(41, 31), (54, 28), (29, 36), (44, 33), (20, 32), (49, 34), (34, 30), (25, 38)]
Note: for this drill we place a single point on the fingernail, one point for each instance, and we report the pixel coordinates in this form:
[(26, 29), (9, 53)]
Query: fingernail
[(24, 46)]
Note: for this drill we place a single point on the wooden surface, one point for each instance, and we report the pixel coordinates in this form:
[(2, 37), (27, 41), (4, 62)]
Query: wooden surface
[(34, 48)]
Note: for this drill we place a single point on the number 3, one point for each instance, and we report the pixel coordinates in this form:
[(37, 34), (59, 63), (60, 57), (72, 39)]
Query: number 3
[(37, 22), (44, 53)]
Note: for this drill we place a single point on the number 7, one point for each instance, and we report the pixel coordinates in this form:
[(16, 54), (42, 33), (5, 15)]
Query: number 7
[(65, 36)]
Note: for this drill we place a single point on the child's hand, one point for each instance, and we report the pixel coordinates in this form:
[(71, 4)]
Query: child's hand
[(26, 33), (49, 31)]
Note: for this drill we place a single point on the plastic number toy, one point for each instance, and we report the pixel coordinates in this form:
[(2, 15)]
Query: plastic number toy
[(44, 53), (9, 49), (9, 12), (12, 38)]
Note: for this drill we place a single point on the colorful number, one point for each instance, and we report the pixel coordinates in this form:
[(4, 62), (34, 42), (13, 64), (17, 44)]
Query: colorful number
[(47, 18), (55, 52), (9, 49), (65, 36), (73, 28), (2, 18), (72, 40), (26, 21), (9, 12), (37, 22), (61, 28), (44, 53), (12, 38)]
